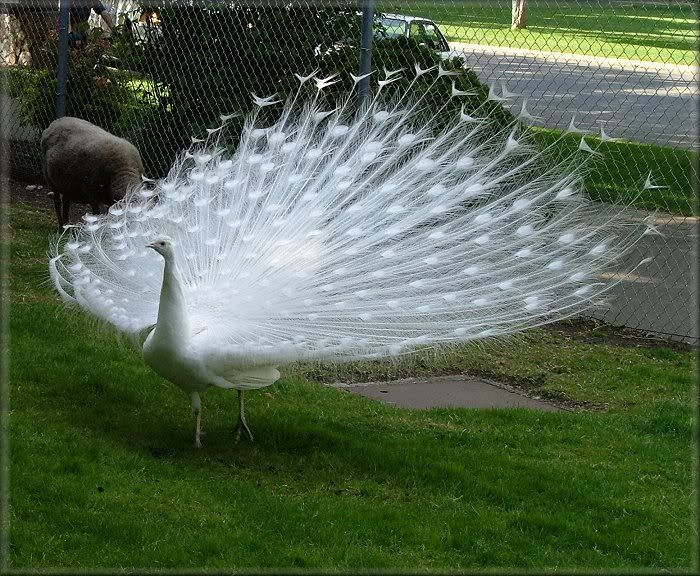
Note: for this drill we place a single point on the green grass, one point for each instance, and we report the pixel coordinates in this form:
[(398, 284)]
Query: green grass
[(104, 472), (620, 173), (632, 31)]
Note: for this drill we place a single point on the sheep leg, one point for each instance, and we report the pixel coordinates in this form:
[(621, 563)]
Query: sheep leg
[(66, 211), (57, 206), (95, 208)]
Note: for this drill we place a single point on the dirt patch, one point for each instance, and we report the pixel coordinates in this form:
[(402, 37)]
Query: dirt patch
[(37, 195), (596, 332)]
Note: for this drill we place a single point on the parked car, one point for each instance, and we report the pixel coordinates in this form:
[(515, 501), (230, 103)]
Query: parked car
[(423, 30)]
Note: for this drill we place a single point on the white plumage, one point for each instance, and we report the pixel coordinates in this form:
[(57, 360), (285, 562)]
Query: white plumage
[(342, 234)]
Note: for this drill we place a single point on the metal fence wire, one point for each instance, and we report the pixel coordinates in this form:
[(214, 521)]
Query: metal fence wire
[(158, 72)]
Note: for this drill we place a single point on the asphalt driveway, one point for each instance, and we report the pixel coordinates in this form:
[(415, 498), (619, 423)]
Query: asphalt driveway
[(638, 101)]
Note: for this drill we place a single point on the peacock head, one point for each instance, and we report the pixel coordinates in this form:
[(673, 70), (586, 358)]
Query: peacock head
[(163, 245)]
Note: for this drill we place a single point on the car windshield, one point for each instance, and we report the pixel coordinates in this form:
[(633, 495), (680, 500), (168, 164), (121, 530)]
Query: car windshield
[(393, 28), (427, 33)]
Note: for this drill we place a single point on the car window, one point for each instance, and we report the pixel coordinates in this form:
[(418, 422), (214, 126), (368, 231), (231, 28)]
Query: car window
[(427, 33), (393, 28)]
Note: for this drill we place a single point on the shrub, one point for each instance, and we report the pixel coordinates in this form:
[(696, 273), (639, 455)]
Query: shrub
[(94, 91), (206, 61)]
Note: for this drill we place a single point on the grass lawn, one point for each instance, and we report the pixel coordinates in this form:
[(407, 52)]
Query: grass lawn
[(620, 173), (104, 472), (630, 30)]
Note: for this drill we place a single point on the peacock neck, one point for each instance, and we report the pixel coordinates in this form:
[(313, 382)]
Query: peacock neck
[(173, 325)]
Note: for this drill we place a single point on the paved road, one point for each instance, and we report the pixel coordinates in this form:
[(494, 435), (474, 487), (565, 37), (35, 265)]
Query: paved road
[(661, 297), (637, 101), (640, 101)]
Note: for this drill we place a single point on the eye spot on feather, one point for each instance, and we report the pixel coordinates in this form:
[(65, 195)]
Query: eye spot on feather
[(464, 162), (521, 204), (474, 189), (314, 154), (425, 164), (567, 238), (436, 190), (472, 270), (276, 138), (255, 159), (339, 130), (565, 193), (532, 302), (406, 139), (380, 116)]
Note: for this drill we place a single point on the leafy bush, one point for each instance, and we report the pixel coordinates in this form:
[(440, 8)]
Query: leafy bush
[(94, 91), (206, 61)]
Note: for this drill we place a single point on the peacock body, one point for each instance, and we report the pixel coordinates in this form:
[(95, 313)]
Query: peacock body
[(338, 233)]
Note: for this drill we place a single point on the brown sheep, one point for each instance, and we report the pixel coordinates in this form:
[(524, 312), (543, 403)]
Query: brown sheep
[(83, 163)]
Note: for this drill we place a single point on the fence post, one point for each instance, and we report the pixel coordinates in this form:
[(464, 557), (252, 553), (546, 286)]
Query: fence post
[(366, 46), (62, 66)]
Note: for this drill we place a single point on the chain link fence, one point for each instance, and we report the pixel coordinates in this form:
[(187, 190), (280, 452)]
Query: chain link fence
[(158, 72)]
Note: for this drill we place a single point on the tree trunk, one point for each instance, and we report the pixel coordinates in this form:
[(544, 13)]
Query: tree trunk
[(519, 18)]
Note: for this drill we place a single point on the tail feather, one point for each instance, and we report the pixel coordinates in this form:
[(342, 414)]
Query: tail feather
[(355, 231)]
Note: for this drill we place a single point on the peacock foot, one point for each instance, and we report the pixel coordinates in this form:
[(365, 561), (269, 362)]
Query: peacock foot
[(241, 427)]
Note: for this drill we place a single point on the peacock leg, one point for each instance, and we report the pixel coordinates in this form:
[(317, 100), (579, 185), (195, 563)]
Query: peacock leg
[(242, 425), (197, 411), (198, 431)]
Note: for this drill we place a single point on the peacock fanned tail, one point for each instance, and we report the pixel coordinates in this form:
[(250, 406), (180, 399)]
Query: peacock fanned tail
[(343, 232)]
